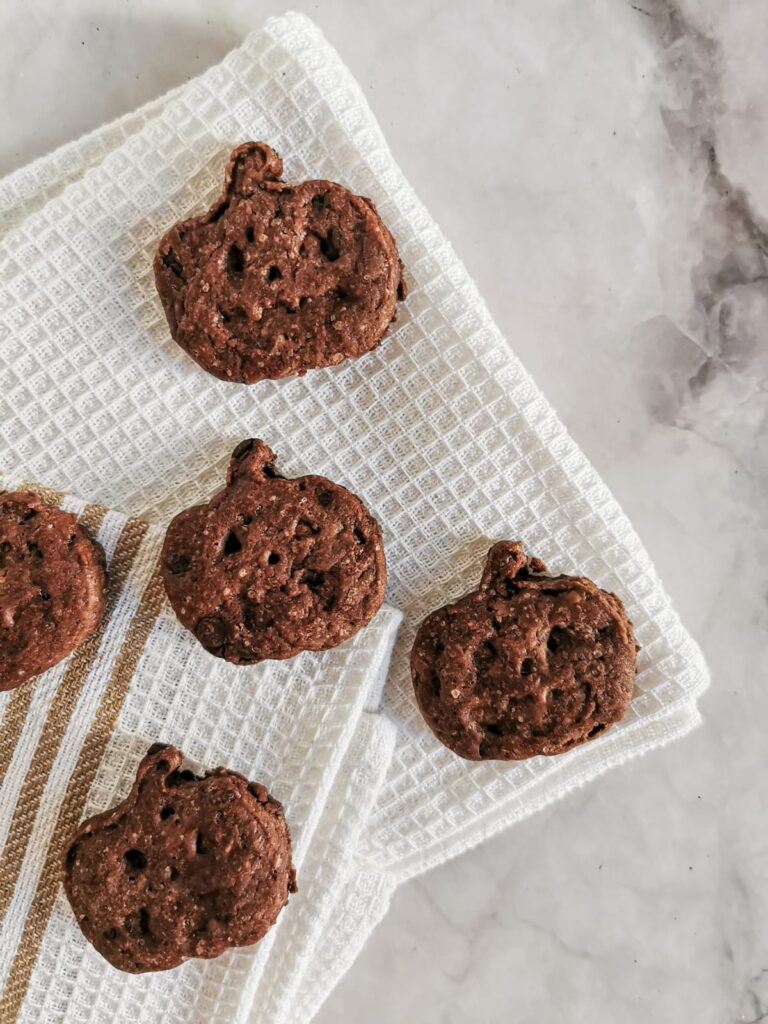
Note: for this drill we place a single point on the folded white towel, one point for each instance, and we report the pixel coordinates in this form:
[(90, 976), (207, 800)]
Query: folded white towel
[(441, 431)]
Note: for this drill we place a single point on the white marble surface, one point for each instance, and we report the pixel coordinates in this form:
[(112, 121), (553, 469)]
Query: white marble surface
[(600, 168)]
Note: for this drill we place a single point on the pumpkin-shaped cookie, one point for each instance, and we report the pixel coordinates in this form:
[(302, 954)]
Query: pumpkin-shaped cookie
[(270, 567), (527, 664), (51, 586), (277, 279), (186, 866)]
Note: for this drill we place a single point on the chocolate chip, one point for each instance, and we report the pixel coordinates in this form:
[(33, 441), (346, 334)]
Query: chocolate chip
[(211, 631), (178, 564)]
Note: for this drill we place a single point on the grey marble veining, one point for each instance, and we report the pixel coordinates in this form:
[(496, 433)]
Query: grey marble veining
[(600, 167)]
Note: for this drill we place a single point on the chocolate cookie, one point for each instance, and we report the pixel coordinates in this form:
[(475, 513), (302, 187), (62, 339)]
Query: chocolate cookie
[(271, 567), (278, 279), (51, 586), (184, 867), (528, 664)]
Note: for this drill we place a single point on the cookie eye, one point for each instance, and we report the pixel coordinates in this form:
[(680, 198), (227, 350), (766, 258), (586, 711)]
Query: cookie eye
[(134, 860), (231, 544), (235, 263), (324, 498), (273, 274), (274, 558), (526, 667), (318, 203), (166, 812), (313, 579), (137, 923), (173, 263), (556, 638), (329, 248), (305, 529)]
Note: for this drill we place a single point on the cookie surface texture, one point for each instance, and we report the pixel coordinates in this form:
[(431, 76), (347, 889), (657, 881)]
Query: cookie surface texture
[(527, 664), (270, 567), (277, 279), (184, 867), (51, 586)]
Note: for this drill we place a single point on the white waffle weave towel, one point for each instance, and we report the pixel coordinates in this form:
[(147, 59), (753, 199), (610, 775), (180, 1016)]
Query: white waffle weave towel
[(441, 431)]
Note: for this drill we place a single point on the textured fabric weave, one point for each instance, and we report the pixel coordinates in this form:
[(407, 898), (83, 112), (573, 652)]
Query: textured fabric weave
[(69, 747), (441, 430)]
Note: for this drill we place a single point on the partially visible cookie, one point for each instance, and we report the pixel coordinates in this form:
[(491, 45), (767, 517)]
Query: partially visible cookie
[(51, 586), (527, 664), (184, 867), (277, 279), (271, 567)]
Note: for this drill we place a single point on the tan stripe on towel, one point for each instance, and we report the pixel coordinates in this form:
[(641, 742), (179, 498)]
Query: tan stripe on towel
[(71, 810), (14, 716), (60, 710), (49, 496)]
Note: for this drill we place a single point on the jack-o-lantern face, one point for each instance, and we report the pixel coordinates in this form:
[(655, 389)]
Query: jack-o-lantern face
[(527, 664), (271, 567), (277, 279)]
